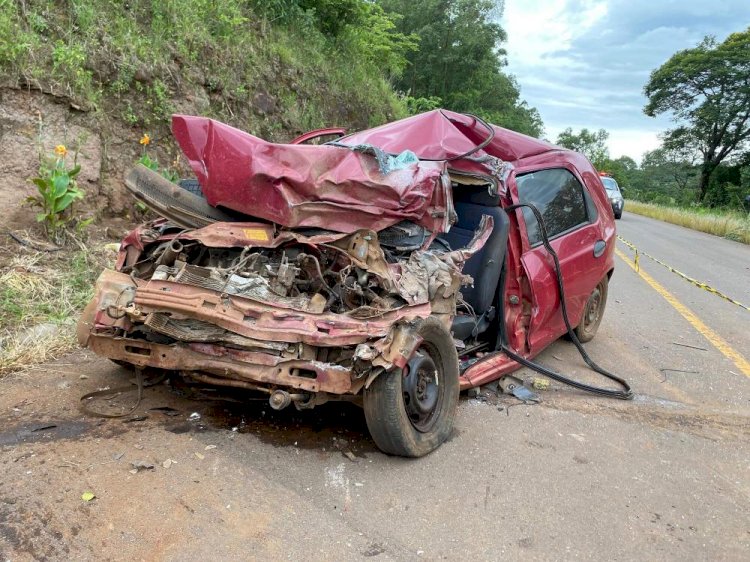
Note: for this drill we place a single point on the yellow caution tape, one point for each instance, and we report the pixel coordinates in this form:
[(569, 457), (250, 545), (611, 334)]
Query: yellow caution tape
[(704, 286)]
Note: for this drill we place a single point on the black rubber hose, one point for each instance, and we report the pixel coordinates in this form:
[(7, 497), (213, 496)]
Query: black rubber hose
[(477, 148), (626, 394)]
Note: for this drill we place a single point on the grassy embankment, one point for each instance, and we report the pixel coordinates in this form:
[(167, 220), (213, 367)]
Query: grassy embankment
[(256, 64), (727, 224), (138, 61)]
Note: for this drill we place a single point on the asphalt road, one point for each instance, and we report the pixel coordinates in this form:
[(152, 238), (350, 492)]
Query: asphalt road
[(664, 477)]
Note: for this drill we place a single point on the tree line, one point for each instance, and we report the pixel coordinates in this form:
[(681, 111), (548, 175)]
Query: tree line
[(449, 53), (705, 158), (436, 53)]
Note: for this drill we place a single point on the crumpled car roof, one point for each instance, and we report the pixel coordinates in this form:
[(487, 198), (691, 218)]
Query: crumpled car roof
[(370, 179), (441, 135)]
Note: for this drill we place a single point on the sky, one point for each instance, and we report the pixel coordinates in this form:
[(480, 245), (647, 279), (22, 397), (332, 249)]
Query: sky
[(584, 63)]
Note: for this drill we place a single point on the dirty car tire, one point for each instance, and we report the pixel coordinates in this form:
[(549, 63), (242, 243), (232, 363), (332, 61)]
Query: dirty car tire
[(397, 426), (593, 312)]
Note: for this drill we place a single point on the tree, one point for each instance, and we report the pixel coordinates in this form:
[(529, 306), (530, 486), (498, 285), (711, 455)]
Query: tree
[(707, 90), (460, 60), (593, 144), (624, 169), (670, 171)]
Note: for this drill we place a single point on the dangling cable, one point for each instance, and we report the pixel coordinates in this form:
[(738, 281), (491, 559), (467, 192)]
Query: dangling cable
[(625, 394)]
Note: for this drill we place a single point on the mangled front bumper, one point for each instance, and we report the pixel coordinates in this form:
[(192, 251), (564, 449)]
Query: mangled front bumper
[(271, 347)]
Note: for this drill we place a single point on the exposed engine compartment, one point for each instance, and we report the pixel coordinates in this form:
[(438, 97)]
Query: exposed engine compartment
[(251, 304)]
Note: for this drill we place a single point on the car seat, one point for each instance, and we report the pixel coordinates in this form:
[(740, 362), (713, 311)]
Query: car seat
[(484, 266)]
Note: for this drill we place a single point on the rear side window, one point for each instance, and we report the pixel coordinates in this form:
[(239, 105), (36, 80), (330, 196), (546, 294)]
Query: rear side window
[(560, 198)]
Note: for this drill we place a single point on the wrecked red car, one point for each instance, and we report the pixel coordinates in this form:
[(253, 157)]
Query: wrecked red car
[(392, 267)]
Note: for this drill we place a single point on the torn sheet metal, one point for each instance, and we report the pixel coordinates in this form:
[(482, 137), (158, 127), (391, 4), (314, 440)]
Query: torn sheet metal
[(321, 186)]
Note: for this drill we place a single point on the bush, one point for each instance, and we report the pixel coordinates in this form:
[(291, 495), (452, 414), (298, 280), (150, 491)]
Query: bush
[(135, 59), (58, 191)]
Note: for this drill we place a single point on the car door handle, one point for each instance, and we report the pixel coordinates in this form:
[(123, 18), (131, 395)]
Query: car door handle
[(599, 248)]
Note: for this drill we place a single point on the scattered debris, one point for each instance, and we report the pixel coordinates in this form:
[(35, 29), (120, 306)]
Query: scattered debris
[(135, 419), (540, 384), (556, 357), (138, 446), (690, 346), (349, 455), (88, 496), (200, 456), (513, 385), (167, 463), (665, 371), (83, 377), (43, 427), (117, 456), (209, 447), (373, 550), (142, 465), (194, 416), (166, 410)]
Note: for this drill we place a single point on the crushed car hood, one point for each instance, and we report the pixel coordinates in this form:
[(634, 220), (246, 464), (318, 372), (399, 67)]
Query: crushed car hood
[(323, 186)]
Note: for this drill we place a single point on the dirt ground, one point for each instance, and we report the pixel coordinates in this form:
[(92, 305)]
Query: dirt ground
[(244, 482), (663, 477)]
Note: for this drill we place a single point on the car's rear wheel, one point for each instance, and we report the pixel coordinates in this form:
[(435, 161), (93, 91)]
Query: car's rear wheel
[(618, 215), (593, 312), (410, 411)]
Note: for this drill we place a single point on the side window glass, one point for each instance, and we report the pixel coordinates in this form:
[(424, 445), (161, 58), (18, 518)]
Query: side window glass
[(559, 197), (590, 206)]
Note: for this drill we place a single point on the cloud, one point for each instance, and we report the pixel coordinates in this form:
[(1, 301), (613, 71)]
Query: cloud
[(583, 63)]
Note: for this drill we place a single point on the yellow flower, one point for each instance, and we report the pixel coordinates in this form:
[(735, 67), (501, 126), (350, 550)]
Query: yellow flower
[(145, 139), (61, 151)]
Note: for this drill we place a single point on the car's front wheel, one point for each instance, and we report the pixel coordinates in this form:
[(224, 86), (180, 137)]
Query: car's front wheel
[(410, 411)]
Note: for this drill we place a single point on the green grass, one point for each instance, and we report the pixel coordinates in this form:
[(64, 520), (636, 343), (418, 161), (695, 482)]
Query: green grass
[(136, 61), (727, 224)]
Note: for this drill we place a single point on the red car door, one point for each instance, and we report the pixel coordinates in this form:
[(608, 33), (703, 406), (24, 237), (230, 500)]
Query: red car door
[(574, 229)]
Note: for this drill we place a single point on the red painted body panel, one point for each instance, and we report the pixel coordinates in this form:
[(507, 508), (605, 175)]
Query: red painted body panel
[(320, 186)]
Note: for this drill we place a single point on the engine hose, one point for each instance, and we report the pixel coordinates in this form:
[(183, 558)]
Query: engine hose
[(625, 394)]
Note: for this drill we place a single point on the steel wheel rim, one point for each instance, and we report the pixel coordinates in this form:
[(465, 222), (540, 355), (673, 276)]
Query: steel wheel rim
[(422, 391), (593, 308)]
